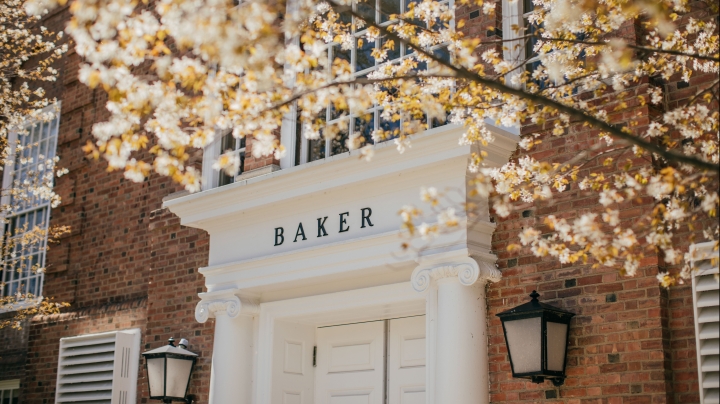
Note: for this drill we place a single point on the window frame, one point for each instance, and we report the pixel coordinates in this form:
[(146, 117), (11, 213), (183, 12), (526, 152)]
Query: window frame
[(11, 386), (44, 207), (211, 178)]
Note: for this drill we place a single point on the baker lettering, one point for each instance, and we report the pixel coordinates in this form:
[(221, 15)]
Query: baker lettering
[(344, 226)]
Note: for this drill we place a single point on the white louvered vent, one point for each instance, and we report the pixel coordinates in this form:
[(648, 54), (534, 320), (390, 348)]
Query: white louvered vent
[(706, 303), (99, 368)]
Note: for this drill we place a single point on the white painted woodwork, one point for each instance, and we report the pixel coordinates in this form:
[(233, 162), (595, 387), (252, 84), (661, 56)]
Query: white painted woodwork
[(706, 305), (353, 306), (292, 364), (461, 370), (351, 364), (406, 362), (358, 275), (101, 368), (232, 360)]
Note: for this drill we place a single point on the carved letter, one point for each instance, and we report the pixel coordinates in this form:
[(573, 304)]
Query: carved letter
[(343, 221), (300, 232), (366, 212), (279, 235), (321, 227)]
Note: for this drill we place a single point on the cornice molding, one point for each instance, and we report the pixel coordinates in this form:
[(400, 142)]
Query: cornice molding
[(231, 305), (212, 208), (468, 271)]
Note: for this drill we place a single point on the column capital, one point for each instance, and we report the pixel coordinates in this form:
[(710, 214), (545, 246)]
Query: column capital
[(467, 270), (230, 304)]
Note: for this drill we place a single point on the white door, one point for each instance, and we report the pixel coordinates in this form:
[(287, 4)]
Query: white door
[(379, 362), (406, 360), (293, 372), (351, 364)]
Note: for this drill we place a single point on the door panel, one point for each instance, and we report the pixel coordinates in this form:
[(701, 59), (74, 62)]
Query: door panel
[(351, 364), (406, 360), (293, 372)]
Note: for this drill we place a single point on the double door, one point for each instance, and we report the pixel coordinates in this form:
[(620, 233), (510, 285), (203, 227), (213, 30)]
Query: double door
[(378, 362)]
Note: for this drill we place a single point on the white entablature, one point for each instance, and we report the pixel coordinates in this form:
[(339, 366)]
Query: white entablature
[(242, 218)]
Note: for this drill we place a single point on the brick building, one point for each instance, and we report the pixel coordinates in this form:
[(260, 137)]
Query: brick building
[(271, 273)]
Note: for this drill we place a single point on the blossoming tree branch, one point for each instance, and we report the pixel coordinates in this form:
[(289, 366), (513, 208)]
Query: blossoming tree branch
[(219, 66), (29, 52)]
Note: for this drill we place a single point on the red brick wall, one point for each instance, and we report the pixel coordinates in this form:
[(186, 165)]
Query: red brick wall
[(128, 263), (631, 340), (13, 353), (124, 265), (172, 294)]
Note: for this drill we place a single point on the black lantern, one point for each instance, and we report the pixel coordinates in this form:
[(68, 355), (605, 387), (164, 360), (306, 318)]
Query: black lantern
[(169, 369), (536, 335)]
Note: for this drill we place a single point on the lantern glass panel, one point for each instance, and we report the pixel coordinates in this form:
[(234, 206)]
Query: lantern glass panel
[(178, 376), (156, 376), (524, 343), (556, 341)]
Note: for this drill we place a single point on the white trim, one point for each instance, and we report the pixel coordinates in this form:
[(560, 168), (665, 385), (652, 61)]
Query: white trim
[(376, 303), (512, 12), (432, 146), (210, 153), (699, 253), (13, 384)]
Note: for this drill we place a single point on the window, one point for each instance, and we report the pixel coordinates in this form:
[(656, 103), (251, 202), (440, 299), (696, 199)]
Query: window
[(226, 144), (99, 368), (10, 391), (707, 320), (25, 235), (361, 59), (516, 25), (229, 144)]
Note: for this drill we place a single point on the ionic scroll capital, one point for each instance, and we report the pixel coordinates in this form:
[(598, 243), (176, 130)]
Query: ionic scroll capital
[(231, 305), (467, 270)]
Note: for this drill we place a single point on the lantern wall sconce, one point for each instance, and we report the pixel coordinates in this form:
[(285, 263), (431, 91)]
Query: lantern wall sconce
[(169, 369), (536, 336)]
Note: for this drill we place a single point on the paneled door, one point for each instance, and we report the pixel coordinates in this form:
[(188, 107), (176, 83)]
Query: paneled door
[(406, 360), (378, 362), (351, 364)]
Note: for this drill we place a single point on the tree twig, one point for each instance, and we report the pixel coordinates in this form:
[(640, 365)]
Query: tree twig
[(464, 73)]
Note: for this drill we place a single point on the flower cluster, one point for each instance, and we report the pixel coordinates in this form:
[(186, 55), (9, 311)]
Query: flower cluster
[(218, 65)]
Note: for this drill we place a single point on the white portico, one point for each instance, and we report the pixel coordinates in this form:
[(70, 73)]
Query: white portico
[(313, 299)]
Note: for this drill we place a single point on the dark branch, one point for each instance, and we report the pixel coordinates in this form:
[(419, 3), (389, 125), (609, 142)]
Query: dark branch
[(466, 74)]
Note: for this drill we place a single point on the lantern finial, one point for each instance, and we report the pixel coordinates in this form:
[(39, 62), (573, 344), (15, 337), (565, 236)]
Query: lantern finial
[(171, 341), (534, 295)]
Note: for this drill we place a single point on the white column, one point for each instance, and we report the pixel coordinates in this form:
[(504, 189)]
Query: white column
[(232, 360), (458, 371)]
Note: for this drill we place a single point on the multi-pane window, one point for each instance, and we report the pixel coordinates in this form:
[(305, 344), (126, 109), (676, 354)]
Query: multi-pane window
[(10, 391), (229, 144), (361, 59), (25, 236)]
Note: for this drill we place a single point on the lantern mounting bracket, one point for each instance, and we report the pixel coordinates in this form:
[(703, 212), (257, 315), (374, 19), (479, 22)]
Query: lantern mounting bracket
[(189, 399)]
